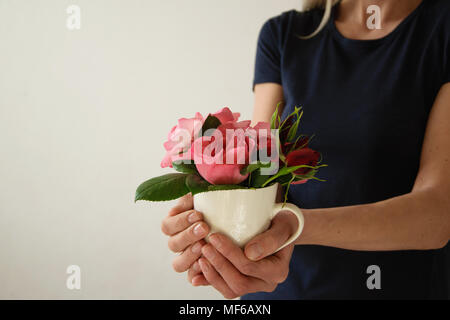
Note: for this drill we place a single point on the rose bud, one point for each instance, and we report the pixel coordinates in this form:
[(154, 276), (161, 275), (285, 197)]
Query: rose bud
[(304, 156)]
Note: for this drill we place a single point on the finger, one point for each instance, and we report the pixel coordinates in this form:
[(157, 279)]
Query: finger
[(263, 269), (195, 275), (200, 280), (185, 203), (280, 262), (173, 224), (281, 255), (215, 279), (184, 261), (269, 241), (193, 271), (236, 281), (234, 254), (194, 233)]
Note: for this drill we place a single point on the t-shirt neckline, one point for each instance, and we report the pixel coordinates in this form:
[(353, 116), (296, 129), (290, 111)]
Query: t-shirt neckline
[(369, 42)]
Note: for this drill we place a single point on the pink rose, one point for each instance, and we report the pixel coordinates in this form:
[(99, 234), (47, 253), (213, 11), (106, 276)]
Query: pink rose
[(225, 115), (220, 158), (180, 138)]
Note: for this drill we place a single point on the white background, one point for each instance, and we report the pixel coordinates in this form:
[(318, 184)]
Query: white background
[(83, 115)]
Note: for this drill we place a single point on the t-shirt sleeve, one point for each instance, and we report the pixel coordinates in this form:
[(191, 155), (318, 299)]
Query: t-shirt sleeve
[(268, 54), (446, 28), (447, 64), (446, 76)]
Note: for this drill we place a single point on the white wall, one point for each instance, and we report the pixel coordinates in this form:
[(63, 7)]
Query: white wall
[(83, 115)]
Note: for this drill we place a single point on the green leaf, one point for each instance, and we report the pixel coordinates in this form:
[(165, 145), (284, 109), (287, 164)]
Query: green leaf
[(167, 187), (254, 166), (283, 180), (257, 180), (275, 117), (309, 175), (293, 130), (182, 167), (196, 184), (287, 119), (315, 178), (219, 187), (211, 122), (286, 192), (283, 171)]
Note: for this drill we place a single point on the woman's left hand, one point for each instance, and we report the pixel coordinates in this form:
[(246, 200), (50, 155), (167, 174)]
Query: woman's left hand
[(234, 272)]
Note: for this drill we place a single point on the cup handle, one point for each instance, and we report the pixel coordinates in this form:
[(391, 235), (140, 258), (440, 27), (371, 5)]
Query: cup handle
[(297, 212)]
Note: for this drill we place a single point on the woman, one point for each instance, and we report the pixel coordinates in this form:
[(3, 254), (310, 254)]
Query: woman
[(379, 102)]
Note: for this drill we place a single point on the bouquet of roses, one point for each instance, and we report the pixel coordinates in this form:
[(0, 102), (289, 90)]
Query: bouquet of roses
[(218, 152)]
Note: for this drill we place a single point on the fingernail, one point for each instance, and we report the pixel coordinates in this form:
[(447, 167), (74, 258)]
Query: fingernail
[(209, 252), (215, 241), (195, 266), (199, 230), (254, 251), (197, 247), (193, 217)]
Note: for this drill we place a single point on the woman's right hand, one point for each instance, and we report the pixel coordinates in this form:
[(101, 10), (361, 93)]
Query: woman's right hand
[(186, 230)]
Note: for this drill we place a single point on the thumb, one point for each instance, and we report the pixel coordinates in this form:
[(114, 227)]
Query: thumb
[(266, 243)]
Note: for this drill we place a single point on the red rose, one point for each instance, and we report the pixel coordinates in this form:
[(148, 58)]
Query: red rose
[(304, 156)]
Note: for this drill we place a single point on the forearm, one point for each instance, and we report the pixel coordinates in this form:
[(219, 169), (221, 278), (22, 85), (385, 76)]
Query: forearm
[(418, 220)]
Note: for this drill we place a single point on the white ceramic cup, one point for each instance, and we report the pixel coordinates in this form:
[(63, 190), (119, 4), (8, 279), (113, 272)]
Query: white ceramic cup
[(241, 214)]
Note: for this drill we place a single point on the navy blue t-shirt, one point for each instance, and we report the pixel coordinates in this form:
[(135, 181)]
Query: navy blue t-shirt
[(368, 103)]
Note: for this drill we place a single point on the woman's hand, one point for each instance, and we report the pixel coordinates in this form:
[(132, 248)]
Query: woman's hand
[(234, 272), (186, 230)]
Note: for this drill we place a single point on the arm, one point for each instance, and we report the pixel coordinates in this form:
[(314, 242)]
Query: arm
[(417, 220), (267, 96)]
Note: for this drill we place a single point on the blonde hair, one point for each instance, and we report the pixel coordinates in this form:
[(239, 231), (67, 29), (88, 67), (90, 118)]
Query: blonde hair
[(311, 4)]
